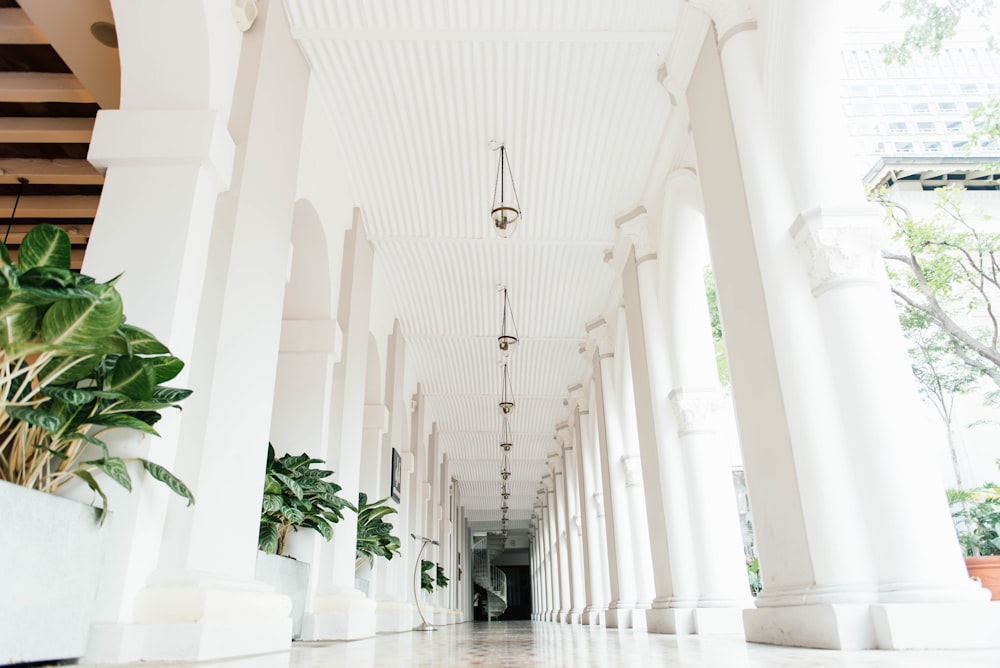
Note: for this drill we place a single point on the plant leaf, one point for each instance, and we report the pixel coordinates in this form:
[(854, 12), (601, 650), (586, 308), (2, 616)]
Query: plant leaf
[(122, 420), (84, 320), (292, 485), (47, 421), (133, 377), (169, 479), (267, 538), (293, 515), (92, 484), (271, 503), (18, 323), (115, 468), (143, 342), (171, 395), (165, 367), (44, 246), (69, 395)]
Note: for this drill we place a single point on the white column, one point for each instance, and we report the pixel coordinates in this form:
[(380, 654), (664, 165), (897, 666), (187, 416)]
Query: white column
[(620, 548), (633, 463), (567, 608), (551, 574), (844, 454), (574, 520), (164, 169), (594, 555)]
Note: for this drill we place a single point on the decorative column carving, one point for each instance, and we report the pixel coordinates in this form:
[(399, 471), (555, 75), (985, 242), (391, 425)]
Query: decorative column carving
[(696, 409), (840, 247), (632, 466)]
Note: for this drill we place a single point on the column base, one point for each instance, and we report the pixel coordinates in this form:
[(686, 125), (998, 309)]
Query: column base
[(936, 625), (339, 616), (618, 618), (821, 626), (592, 617), (192, 622), (572, 617), (393, 616)]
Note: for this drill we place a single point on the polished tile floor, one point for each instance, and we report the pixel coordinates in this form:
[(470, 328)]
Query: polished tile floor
[(529, 644)]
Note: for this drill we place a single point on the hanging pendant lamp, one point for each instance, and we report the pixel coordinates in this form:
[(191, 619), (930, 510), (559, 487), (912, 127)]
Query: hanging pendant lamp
[(505, 469), (506, 442), (506, 394), (508, 332), (506, 210)]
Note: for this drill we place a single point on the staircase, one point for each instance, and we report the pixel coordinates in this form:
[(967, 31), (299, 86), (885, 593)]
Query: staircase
[(489, 577)]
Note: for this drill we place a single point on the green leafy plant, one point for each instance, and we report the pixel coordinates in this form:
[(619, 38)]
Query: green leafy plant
[(296, 495), (753, 575), (426, 579), (976, 513), (375, 537), (70, 369), (442, 579)]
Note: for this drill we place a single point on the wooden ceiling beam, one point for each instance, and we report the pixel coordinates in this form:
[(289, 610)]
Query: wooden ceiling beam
[(42, 87), (17, 28), (51, 172), (51, 206), (79, 233), (48, 130)]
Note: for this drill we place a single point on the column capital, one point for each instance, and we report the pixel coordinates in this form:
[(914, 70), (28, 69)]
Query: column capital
[(634, 229), (602, 337), (729, 16), (580, 396), (840, 246), (696, 408), (633, 470)]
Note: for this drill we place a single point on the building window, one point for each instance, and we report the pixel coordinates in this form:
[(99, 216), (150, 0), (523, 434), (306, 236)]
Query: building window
[(959, 145), (892, 108), (969, 88), (925, 126), (971, 106), (859, 90), (953, 126), (864, 109), (932, 146), (947, 107), (914, 90), (886, 89), (897, 128), (903, 146), (920, 108)]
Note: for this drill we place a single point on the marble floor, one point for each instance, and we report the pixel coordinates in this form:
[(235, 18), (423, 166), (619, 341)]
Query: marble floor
[(529, 644)]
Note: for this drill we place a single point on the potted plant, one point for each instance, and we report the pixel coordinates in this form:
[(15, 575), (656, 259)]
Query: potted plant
[(976, 513), (70, 369), (296, 496), (426, 579), (375, 537)]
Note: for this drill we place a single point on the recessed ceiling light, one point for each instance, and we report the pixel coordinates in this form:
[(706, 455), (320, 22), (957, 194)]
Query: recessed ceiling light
[(105, 33)]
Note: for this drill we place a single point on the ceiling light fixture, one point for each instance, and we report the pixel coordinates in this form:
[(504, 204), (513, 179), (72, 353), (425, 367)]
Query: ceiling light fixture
[(508, 335), (506, 211), (506, 394), (505, 439)]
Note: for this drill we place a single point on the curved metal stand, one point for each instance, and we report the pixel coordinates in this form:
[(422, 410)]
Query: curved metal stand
[(424, 626)]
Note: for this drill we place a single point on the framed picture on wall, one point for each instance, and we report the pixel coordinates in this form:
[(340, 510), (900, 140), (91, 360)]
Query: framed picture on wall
[(397, 475)]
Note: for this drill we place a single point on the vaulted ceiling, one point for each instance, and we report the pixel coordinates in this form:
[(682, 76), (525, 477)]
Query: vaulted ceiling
[(416, 90)]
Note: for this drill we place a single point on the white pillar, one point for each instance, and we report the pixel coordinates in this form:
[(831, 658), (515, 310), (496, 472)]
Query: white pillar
[(574, 521), (164, 170), (717, 539), (841, 464), (594, 555), (567, 606), (618, 523)]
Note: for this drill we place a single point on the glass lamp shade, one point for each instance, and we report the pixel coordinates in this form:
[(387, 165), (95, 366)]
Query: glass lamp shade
[(508, 344), (505, 218), (504, 507), (506, 407), (506, 446), (505, 474), (505, 495)]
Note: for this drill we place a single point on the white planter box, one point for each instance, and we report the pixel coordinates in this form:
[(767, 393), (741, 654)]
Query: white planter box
[(50, 561), (289, 577)]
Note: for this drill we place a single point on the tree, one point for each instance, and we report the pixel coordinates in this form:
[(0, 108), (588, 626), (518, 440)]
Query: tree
[(946, 275), (931, 23)]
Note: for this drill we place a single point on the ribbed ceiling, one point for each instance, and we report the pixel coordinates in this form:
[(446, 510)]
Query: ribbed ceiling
[(416, 90)]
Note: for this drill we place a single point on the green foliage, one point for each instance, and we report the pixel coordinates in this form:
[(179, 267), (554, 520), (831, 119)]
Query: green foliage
[(753, 575), (722, 364), (296, 495), (976, 513), (426, 579), (946, 281), (929, 23), (70, 369), (441, 580), (375, 537)]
